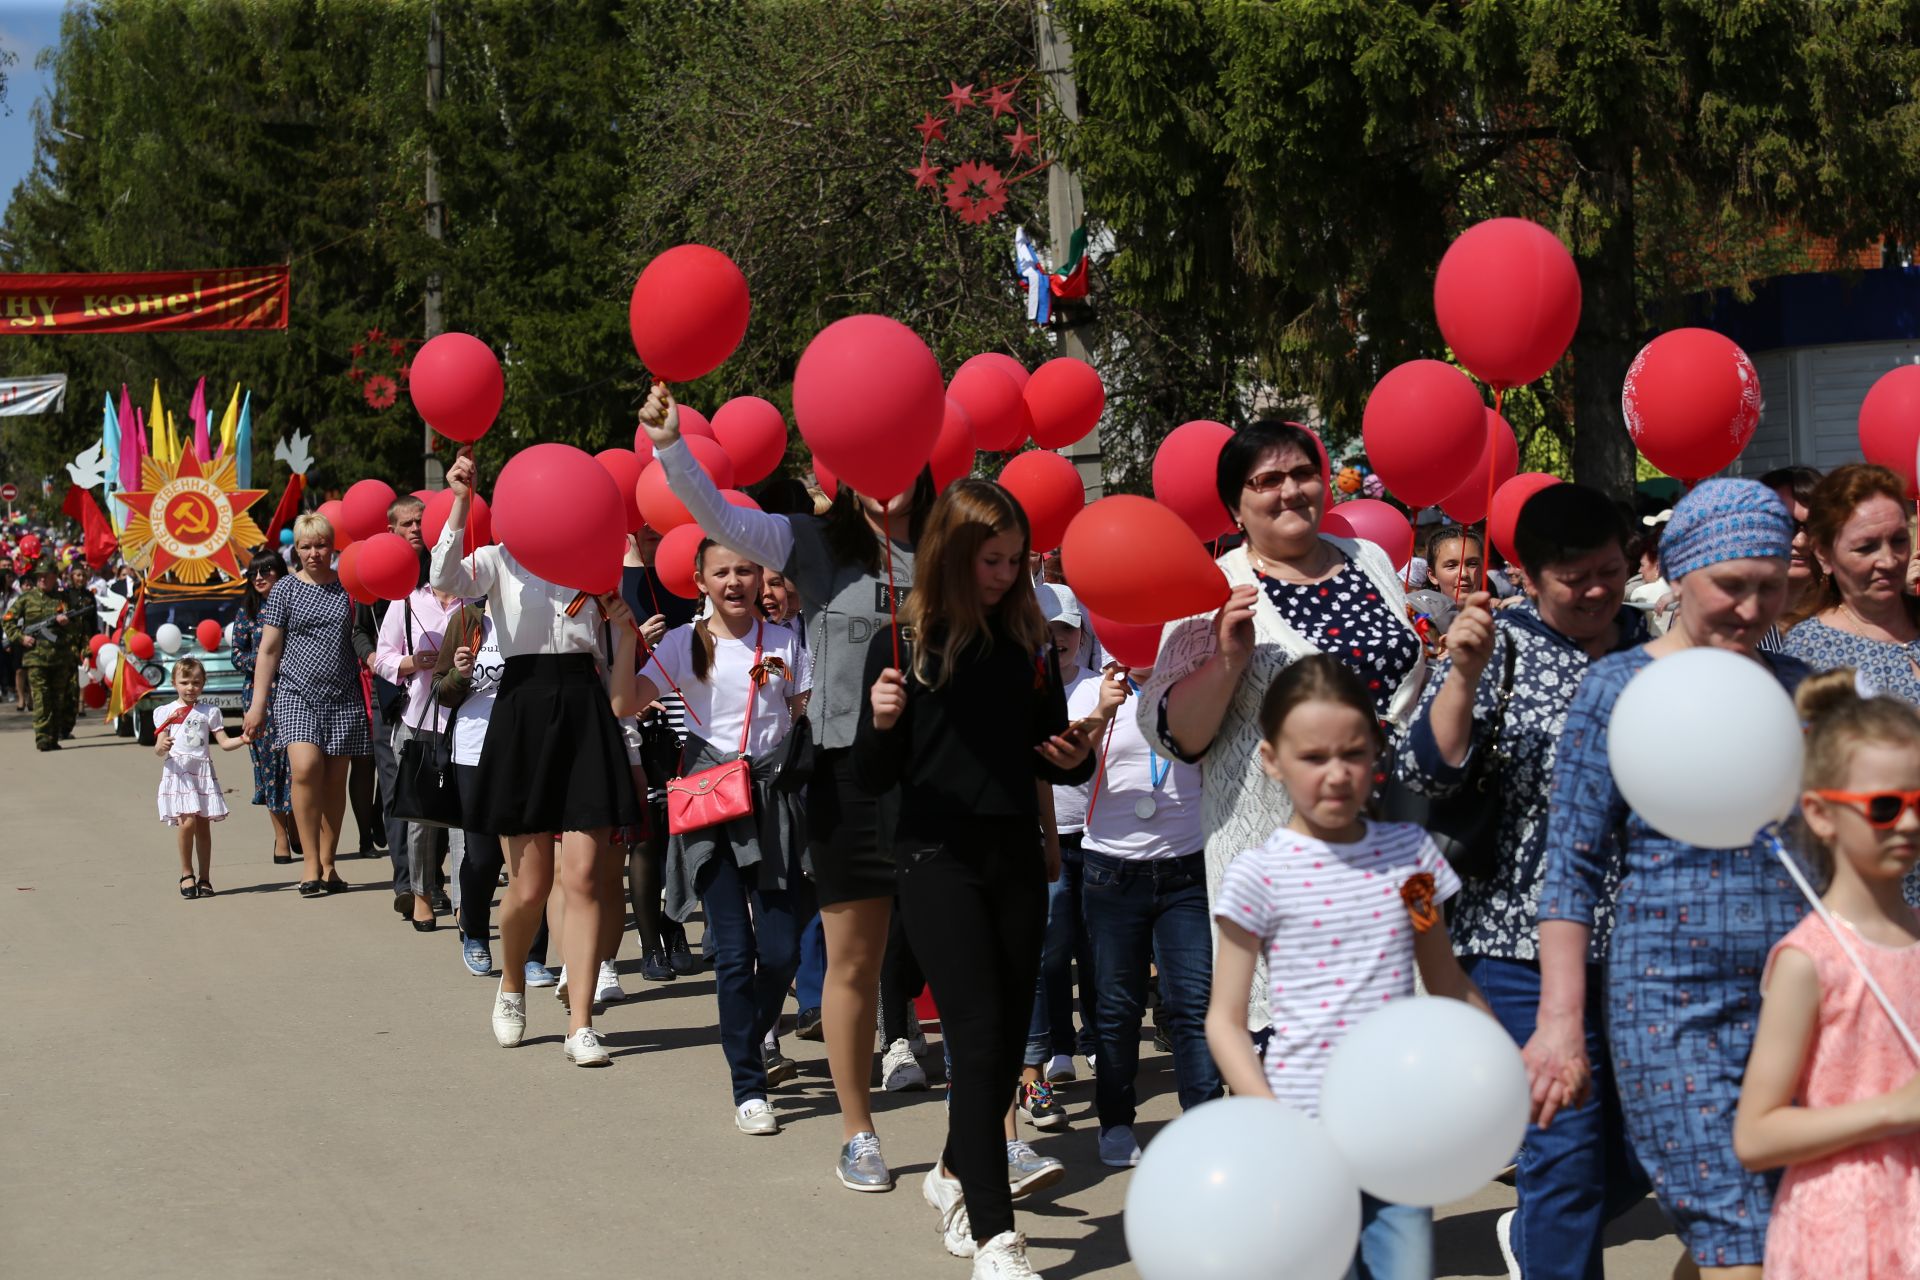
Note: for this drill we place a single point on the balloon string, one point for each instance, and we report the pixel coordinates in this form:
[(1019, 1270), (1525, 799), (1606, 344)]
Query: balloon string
[(573, 610), (893, 616), (1493, 465), (1105, 747)]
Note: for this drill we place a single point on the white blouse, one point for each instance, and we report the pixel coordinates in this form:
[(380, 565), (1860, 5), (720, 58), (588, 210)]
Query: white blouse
[(529, 613)]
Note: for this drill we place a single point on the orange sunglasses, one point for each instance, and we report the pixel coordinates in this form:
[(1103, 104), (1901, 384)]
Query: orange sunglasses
[(1881, 809)]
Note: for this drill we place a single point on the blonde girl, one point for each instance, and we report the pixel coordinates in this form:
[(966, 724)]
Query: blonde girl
[(190, 799)]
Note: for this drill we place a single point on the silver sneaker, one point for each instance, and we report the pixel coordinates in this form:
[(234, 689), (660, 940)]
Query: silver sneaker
[(900, 1071), (944, 1194), (583, 1049), (1004, 1258), (755, 1117), (1028, 1171), (509, 1017), (861, 1167)]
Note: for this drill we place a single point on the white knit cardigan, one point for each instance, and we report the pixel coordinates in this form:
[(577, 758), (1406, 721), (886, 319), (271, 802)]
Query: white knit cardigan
[(1240, 806)]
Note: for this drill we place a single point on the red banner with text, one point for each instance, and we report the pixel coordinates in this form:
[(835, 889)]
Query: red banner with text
[(146, 301)]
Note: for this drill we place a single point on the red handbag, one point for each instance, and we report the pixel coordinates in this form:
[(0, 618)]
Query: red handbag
[(724, 792)]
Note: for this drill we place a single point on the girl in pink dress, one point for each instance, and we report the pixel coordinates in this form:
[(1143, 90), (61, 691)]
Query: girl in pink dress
[(1832, 1089)]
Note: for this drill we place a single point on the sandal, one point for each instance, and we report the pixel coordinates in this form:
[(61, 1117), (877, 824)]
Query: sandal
[(312, 889), (282, 860), (187, 889), (204, 889)]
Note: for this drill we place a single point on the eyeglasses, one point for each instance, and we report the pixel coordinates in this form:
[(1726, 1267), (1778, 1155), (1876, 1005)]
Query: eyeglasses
[(1267, 481), (266, 573), (1881, 809)]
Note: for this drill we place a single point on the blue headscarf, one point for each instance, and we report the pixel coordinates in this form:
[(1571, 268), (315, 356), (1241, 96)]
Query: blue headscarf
[(1725, 520)]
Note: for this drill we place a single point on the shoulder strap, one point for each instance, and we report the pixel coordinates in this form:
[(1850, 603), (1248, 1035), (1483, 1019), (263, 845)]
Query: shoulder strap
[(753, 688)]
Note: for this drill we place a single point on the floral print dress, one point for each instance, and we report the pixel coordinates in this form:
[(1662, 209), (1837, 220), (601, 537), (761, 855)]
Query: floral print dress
[(272, 778)]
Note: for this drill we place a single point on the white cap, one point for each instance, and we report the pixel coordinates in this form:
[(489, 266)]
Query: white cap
[(1058, 604)]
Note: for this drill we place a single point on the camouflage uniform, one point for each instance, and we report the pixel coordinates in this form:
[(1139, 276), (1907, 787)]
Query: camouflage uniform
[(83, 612), (49, 663)]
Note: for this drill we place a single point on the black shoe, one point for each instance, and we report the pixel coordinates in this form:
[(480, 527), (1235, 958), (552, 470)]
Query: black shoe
[(681, 957), (282, 859), (313, 889), (425, 926), (1162, 1041), (442, 904), (807, 1025), (204, 889), (654, 967), (334, 884), (403, 905), (780, 1068)]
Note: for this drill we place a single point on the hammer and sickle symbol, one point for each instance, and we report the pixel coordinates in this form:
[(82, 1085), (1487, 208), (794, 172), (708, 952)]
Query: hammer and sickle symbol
[(193, 516)]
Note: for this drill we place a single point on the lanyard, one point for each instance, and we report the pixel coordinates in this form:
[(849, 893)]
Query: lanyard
[(1157, 769)]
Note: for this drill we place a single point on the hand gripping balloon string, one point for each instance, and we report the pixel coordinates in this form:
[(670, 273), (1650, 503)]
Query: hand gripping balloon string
[(1105, 747), (573, 611), (1418, 893), (1772, 833), (893, 615)]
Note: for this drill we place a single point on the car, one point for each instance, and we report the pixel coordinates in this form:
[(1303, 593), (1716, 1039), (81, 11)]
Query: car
[(226, 687)]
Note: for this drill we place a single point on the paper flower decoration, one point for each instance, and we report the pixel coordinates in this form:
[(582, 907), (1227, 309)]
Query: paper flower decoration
[(961, 197), (380, 391), (975, 189)]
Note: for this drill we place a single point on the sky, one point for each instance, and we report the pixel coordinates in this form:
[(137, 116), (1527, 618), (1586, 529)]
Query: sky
[(26, 27)]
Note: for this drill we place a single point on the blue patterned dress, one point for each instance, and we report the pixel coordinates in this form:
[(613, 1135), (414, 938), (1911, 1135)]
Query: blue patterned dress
[(1692, 929), (272, 778)]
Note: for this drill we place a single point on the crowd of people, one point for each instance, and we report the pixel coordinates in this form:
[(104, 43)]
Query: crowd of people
[(885, 752)]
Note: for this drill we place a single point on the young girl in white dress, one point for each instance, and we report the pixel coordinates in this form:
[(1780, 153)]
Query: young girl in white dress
[(190, 799)]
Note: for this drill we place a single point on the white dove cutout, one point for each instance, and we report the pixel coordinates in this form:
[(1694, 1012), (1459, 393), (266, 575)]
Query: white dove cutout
[(295, 454), (89, 470)]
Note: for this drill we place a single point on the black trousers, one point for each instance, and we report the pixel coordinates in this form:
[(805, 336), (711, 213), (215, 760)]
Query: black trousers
[(975, 903)]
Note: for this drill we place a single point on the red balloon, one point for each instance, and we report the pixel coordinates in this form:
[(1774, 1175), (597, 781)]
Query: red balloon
[(1065, 398), (642, 446), (388, 566), (689, 311), (364, 508), (1336, 524), (867, 397), (1890, 422), (754, 434), (1507, 503), (1381, 524), (624, 466), (953, 452), (998, 360), (93, 645), (1049, 490), (1507, 296), (657, 504), (456, 384), (210, 634), (557, 513), (673, 560), (740, 499), (334, 514), (1183, 476), (994, 405), (1131, 644), (694, 423), (347, 566), (828, 482), (1424, 427), (95, 696), (1468, 503), (479, 520), (1692, 401), (1135, 561), (139, 644)]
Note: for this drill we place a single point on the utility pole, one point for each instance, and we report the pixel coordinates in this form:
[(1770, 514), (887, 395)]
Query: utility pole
[(1066, 210), (436, 473)]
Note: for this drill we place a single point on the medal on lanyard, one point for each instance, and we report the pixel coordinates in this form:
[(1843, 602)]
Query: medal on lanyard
[(1157, 769)]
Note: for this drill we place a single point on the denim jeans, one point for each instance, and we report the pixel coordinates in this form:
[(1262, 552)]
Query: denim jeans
[(756, 948), (1137, 909), (1578, 1175), (812, 975), (1066, 946), (1396, 1242)]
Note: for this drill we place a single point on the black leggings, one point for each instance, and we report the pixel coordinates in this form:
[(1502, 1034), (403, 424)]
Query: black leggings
[(646, 886), (900, 980), (480, 870), (975, 902)]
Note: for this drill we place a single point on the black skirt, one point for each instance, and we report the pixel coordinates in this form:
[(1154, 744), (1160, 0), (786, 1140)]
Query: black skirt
[(554, 758), (849, 829)]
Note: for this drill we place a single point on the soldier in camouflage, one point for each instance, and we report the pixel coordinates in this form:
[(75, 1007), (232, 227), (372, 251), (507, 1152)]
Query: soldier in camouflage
[(83, 614), (39, 627)]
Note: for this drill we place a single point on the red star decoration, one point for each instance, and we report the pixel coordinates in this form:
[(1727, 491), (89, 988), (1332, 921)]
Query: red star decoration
[(395, 347), (926, 176), (1000, 99), (993, 191), (356, 373), (931, 128), (181, 509), (404, 372), (374, 335), (359, 349), (959, 97), (1021, 141)]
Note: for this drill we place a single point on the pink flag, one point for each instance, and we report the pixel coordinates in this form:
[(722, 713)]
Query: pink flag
[(140, 424), (132, 448), (197, 411)]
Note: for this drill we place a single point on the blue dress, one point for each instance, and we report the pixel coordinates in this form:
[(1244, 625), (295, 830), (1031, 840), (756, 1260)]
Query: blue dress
[(272, 777), (1692, 929)]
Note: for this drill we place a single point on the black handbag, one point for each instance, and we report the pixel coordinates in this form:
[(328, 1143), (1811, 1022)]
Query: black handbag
[(1466, 824), (797, 755), (426, 790)]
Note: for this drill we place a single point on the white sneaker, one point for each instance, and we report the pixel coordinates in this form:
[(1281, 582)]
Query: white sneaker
[(1118, 1149), (509, 1017), (755, 1116), (607, 990), (1004, 1258), (1060, 1070), (944, 1194), (583, 1049), (560, 988), (1503, 1232), (900, 1070)]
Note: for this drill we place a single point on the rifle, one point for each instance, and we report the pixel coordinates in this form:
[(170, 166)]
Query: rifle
[(42, 630)]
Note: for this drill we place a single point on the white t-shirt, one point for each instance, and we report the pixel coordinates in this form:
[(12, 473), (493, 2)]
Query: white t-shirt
[(471, 718), (1070, 803), (192, 729), (1337, 935), (720, 701), (1117, 826)]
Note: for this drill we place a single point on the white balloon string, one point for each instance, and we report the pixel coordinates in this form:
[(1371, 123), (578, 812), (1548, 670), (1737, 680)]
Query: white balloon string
[(1833, 926)]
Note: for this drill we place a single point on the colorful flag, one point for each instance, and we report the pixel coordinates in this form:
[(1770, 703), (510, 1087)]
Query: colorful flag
[(197, 415), (243, 442), (157, 423), (100, 542), (131, 449), (110, 448), (228, 422)]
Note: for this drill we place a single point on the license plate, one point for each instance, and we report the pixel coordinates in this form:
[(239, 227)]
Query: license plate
[(224, 701)]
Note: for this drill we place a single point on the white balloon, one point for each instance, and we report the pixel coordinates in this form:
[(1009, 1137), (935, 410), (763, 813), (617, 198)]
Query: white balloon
[(1426, 1099), (168, 637), (1706, 747), (107, 659), (1241, 1188)]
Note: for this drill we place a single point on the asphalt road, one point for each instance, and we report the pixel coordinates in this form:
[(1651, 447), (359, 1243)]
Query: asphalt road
[(259, 1085)]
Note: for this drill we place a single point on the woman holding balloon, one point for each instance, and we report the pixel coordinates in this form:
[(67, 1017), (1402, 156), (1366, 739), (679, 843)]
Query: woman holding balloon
[(1692, 925), (852, 567)]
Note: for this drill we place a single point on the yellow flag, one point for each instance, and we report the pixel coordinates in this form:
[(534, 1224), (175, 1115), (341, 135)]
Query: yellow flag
[(157, 427), (230, 423)]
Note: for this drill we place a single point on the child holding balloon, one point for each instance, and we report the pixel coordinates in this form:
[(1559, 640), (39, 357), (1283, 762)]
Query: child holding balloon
[(1344, 909), (1831, 1090), (190, 799)]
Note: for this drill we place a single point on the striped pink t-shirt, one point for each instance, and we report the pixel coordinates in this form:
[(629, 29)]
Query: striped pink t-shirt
[(1337, 936)]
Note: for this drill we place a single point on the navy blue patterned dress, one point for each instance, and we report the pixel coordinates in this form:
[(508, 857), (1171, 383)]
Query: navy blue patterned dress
[(1692, 929), (1345, 618), (272, 778), (317, 697)]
